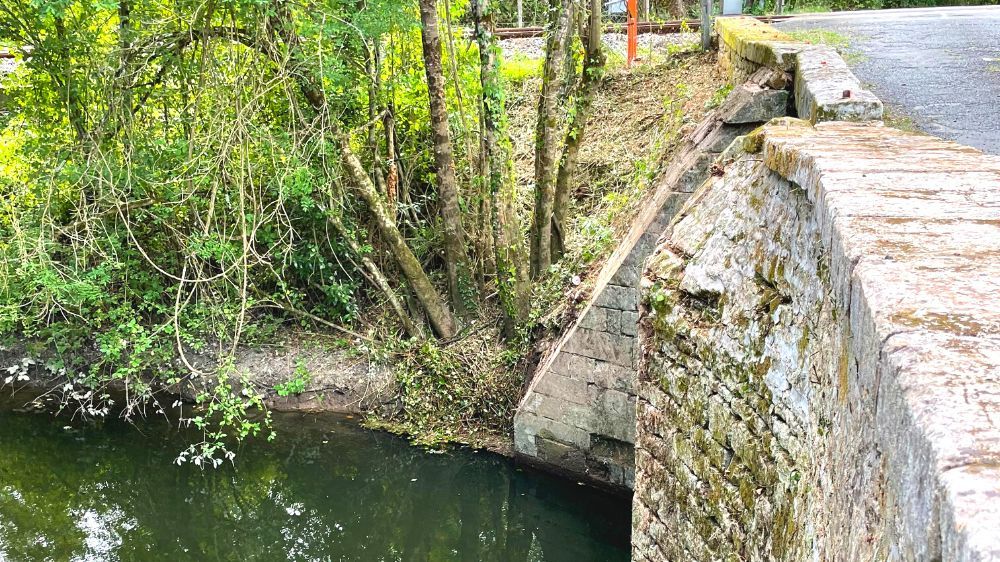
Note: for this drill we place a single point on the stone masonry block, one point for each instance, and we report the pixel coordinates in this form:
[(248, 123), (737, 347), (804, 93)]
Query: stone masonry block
[(565, 388), (561, 454), (630, 323), (570, 414), (720, 138), (527, 426), (619, 298), (612, 348), (749, 103), (827, 90), (601, 319), (615, 414), (595, 372)]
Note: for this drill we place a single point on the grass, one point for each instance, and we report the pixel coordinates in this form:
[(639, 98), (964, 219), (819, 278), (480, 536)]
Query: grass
[(838, 41), (895, 117)]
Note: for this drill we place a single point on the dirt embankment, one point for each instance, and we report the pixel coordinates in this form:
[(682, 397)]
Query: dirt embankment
[(299, 372)]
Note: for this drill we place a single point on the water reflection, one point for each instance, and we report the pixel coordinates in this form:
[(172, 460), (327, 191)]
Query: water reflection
[(327, 491)]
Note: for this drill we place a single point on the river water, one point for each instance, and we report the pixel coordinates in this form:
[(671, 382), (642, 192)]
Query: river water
[(324, 490)]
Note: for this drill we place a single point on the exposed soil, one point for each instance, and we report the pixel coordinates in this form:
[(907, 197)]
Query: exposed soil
[(336, 378), (637, 120)]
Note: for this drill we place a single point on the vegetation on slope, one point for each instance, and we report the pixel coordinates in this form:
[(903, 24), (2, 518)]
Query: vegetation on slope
[(181, 180)]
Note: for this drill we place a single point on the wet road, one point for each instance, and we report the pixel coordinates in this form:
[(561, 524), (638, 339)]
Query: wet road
[(939, 66)]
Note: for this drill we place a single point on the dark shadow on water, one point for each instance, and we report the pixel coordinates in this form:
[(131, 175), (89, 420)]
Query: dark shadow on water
[(112, 492)]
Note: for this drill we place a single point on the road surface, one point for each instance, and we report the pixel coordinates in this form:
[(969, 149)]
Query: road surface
[(939, 66)]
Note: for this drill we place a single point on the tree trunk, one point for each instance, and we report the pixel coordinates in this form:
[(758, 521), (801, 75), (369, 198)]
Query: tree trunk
[(392, 174), (456, 259), (437, 311), (706, 25), (593, 71), (372, 68), (548, 135), (512, 272)]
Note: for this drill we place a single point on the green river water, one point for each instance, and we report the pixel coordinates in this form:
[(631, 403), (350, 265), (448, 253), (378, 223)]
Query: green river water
[(325, 490)]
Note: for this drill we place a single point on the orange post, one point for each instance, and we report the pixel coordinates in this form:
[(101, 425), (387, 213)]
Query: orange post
[(633, 32)]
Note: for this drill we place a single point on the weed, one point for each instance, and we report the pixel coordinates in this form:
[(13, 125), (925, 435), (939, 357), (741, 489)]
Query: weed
[(297, 385)]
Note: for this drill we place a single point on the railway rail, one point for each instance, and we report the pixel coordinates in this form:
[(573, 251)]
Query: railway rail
[(675, 26)]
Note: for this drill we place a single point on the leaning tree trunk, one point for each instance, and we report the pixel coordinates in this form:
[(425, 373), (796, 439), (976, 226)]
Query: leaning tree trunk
[(437, 311), (456, 259), (593, 71), (512, 271), (548, 134)]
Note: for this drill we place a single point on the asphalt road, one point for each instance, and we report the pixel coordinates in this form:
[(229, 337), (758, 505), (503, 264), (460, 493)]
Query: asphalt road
[(938, 66)]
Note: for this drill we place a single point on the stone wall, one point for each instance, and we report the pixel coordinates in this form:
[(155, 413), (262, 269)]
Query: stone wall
[(825, 88), (820, 340), (579, 411), (821, 355), (578, 414)]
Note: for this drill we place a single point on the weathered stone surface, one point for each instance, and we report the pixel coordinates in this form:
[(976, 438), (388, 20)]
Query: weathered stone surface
[(611, 348), (771, 78), (757, 42), (749, 103), (823, 355), (827, 90), (565, 388), (619, 298), (630, 323), (716, 139), (602, 319), (599, 348)]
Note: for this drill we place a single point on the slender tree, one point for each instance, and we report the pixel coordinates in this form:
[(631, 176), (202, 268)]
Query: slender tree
[(509, 251), (549, 133), (457, 261), (438, 313), (593, 71)]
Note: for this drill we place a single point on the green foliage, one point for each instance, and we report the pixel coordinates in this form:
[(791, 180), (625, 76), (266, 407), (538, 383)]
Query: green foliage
[(841, 43), (456, 392), (224, 415), (165, 192), (519, 68), (299, 382), (719, 96)]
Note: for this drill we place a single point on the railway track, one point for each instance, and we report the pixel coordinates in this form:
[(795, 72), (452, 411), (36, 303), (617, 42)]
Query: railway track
[(675, 26)]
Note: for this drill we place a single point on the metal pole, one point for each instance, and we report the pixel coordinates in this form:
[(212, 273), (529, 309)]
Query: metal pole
[(633, 33), (706, 25), (520, 13), (645, 10)]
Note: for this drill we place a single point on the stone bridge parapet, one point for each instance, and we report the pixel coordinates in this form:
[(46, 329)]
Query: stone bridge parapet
[(819, 371)]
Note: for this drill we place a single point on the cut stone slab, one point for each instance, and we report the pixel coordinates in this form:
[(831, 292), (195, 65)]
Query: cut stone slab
[(827, 90), (748, 103), (758, 42)]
